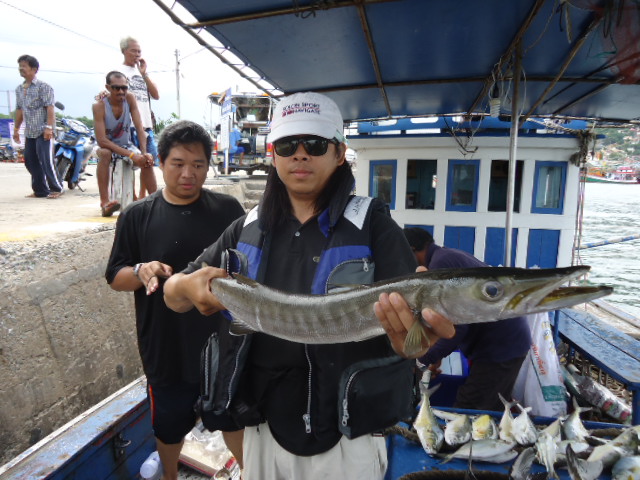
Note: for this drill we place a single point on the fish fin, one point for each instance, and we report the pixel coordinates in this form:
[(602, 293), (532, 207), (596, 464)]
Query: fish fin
[(238, 327), (244, 280), (413, 340)]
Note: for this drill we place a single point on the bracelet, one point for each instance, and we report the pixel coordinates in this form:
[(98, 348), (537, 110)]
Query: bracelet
[(131, 155), (49, 127), (136, 270)]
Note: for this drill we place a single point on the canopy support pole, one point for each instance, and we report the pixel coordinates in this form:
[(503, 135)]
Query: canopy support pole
[(513, 151)]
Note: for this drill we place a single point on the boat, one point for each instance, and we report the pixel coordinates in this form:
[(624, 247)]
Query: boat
[(624, 175), (471, 119)]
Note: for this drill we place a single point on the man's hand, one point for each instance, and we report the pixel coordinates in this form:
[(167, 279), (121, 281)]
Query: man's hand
[(142, 160), (397, 319), (47, 134), (183, 292), (142, 66), (16, 135), (150, 274)]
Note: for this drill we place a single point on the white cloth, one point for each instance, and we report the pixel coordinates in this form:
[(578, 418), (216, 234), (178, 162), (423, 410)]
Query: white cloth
[(364, 457), (138, 87)]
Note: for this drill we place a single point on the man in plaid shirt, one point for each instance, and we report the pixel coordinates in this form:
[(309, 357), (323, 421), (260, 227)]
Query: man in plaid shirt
[(34, 106)]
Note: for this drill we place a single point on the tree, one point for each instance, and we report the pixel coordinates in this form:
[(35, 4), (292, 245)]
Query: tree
[(161, 123)]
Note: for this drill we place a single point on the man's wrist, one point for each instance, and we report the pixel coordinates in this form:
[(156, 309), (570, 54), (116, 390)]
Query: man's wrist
[(136, 270)]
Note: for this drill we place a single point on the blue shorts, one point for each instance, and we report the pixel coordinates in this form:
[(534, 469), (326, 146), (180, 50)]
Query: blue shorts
[(173, 414)]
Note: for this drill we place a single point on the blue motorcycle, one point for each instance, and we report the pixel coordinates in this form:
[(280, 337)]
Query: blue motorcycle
[(72, 149)]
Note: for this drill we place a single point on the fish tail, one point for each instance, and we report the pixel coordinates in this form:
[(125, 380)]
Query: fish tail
[(413, 340)]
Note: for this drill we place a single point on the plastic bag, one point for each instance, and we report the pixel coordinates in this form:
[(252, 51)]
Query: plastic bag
[(540, 383)]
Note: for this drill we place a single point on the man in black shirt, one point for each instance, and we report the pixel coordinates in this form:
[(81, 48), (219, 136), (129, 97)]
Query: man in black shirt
[(154, 238)]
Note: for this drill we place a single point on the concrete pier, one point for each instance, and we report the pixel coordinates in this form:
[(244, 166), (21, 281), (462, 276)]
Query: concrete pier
[(66, 339)]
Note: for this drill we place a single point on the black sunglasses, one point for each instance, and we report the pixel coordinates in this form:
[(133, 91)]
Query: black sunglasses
[(315, 146), (123, 88)]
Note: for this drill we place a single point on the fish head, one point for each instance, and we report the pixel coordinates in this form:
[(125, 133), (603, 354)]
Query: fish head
[(495, 293)]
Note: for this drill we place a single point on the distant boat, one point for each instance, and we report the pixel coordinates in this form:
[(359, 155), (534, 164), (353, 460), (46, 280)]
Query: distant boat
[(622, 175)]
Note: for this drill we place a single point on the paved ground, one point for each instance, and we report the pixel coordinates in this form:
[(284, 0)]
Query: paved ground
[(30, 218)]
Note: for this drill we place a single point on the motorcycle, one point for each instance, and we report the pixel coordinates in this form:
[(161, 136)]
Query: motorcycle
[(7, 152), (72, 149)]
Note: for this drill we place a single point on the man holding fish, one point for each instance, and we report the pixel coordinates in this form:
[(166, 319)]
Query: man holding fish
[(309, 235)]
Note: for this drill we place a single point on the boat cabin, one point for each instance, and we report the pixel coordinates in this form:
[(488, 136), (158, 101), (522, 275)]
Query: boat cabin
[(450, 177)]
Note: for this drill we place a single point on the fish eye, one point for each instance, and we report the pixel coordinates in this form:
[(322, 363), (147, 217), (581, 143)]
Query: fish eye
[(492, 290)]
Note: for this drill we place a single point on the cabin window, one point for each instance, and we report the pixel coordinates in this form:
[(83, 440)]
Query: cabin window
[(498, 185), (382, 183), (548, 187), (421, 184), (462, 185)]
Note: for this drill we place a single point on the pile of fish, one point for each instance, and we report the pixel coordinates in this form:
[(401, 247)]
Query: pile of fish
[(565, 443)]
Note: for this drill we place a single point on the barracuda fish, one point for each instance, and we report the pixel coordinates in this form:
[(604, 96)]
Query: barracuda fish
[(427, 427), (484, 427), (472, 295)]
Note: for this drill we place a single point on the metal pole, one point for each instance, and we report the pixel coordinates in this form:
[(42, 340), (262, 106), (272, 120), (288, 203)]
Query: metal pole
[(513, 150), (178, 80)]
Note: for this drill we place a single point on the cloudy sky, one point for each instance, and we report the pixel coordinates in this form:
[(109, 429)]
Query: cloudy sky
[(77, 43)]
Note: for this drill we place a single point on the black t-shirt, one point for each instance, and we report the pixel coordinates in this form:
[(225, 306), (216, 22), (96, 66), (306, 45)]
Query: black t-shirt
[(153, 229)]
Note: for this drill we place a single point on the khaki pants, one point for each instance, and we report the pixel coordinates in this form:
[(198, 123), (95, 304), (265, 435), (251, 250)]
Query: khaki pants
[(361, 458)]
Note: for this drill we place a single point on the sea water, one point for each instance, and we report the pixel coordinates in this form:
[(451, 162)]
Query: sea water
[(613, 211)]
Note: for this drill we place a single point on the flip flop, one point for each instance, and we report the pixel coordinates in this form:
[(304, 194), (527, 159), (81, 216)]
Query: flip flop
[(54, 195), (109, 208), (31, 195)]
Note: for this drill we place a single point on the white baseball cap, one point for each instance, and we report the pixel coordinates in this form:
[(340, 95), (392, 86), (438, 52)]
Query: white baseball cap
[(306, 113)]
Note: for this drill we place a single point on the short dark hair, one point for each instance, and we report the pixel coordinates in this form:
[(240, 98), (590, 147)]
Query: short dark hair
[(32, 61), (114, 74), (183, 132), (418, 238)]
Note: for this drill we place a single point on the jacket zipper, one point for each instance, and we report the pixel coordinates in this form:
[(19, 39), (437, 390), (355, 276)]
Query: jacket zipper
[(345, 401), (235, 371), (306, 418), (365, 268)]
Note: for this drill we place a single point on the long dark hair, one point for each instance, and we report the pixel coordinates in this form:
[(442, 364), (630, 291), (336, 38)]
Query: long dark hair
[(276, 206)]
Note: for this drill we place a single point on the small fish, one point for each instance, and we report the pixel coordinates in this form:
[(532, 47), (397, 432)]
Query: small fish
[(624, 445), (458, 430), (494, 451), (546, 453), (484, 427), (506, 422), (523, 429), (472, 295), (580, 469), (521, 468), (626, 469), (554, 429), (573, 428), (427, 427)]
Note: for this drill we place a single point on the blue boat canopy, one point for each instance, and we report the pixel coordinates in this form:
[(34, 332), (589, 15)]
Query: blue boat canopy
[(403, 58)]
